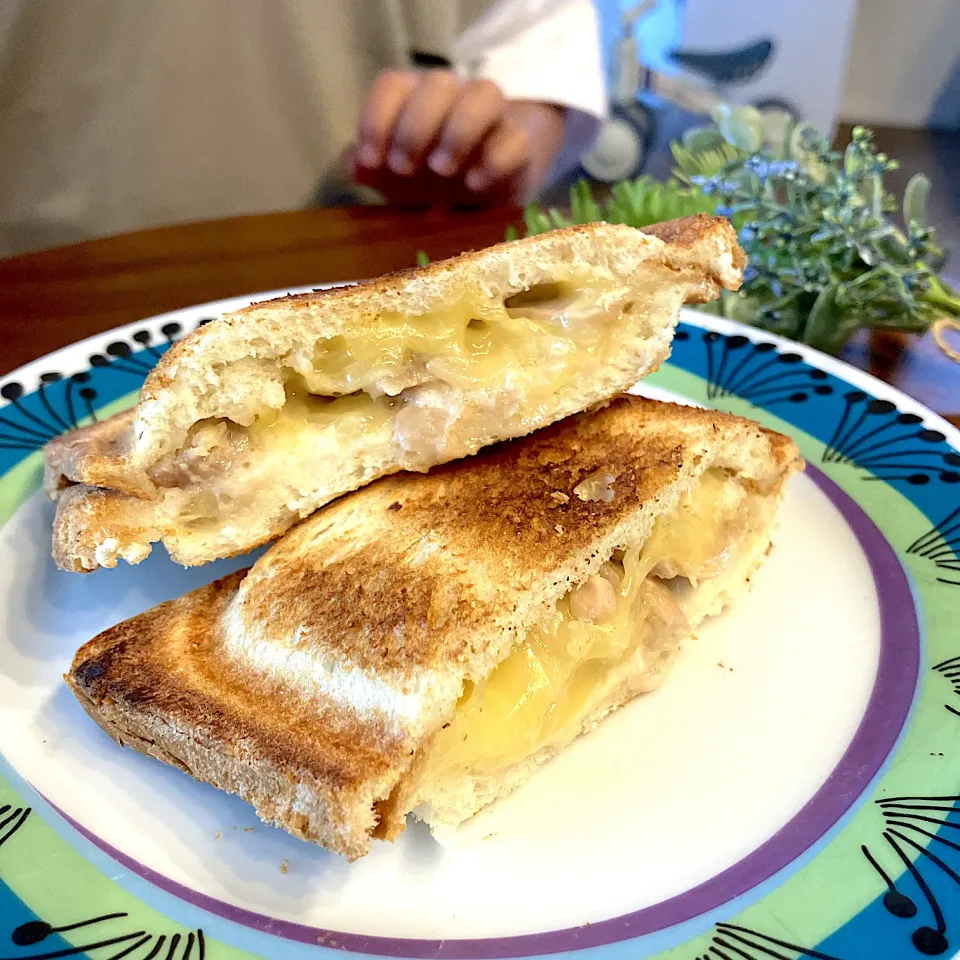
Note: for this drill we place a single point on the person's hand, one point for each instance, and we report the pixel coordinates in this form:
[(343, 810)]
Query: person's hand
[(432, 138)]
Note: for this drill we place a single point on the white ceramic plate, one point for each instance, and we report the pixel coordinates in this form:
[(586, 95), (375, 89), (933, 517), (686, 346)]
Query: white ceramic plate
[(744, 807)]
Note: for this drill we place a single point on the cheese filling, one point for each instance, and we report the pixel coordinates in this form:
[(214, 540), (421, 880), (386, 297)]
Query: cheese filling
[(635, 609), (425, 388)]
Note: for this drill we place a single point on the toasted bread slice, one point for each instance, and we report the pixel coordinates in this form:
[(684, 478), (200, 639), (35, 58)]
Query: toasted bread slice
[(258, 419), (517, 597)]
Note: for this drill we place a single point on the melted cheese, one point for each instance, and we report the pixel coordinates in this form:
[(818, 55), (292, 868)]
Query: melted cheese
[(695, 541), (534, 340), (304, 413), (540, 694)]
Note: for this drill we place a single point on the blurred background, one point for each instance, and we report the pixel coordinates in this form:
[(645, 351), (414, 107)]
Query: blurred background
[(117, 116), (883, 62), (893, 65)]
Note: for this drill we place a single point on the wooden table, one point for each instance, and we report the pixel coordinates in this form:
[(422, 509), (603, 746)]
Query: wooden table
[(55, 297)]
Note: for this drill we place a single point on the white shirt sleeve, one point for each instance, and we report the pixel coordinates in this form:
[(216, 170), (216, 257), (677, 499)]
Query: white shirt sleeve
[(544, 50)]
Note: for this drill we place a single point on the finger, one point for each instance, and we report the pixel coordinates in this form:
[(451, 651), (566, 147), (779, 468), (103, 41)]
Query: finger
[(387, 96), (421, 120), (478, 108), (505, 152)]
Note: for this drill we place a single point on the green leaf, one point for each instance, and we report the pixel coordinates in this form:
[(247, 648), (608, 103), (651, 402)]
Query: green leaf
[(915, 200), (942, 296), (511, 233), (738, 306), (823, 325), (422, 258), (557, 220), (700, 139), (741, 127), (702, 163), (808, 148), (777, 131), (873, 194), (583, 208), (851, 159), (643, 201), (535, 220)]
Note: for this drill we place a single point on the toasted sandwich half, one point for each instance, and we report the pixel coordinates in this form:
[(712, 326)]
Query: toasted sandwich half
[(424, 644), (256, 420)]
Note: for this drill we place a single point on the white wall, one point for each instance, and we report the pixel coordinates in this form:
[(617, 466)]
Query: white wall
[(812, 38), (901, 55)]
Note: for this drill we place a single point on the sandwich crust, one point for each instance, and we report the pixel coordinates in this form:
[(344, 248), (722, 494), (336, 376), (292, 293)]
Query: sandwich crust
[(309, 683), (225, 370), (224, 726), (97, 455)]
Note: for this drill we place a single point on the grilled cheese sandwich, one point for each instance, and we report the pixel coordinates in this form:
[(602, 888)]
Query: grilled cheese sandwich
[(422, 645), (255, 421)]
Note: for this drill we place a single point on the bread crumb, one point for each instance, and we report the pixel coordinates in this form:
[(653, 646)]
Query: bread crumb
[(249, 829), (723, 666), (553, 456), (234, 828), (597, 486), (217, 835), (558, 496), (285, 866)]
